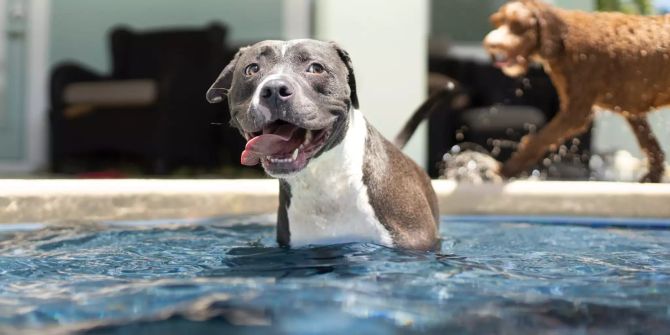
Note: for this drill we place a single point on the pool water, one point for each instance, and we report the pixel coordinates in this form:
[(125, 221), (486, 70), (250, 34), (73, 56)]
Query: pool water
[(227, 275)]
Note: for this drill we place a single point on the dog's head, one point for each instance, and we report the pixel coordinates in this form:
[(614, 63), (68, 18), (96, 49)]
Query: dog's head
[(523, 28), (291, 100)]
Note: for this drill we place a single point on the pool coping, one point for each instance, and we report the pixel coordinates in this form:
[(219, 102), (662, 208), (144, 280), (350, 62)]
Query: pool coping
[(53, 201)]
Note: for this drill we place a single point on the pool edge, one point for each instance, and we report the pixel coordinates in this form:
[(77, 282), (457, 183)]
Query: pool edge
[(104, 200)]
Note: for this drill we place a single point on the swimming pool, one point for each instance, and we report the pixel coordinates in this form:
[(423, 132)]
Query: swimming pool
[(509, 275)]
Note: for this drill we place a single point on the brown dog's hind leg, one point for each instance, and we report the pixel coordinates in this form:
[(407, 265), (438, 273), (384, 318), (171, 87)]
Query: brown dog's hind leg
[(572, 120), (650, 147)]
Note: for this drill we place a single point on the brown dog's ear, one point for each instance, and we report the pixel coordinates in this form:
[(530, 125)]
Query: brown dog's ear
[(551, 28), (351, 78), (219, 90)]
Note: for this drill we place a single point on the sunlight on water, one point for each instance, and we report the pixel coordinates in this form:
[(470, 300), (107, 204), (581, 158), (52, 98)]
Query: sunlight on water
[(216, 275)]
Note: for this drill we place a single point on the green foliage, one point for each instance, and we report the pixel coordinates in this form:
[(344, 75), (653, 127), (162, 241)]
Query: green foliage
[(627, 6), (645, 6), (609, 5)]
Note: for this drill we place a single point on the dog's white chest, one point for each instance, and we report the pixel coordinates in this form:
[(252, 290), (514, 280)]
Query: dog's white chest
[(329, 202)]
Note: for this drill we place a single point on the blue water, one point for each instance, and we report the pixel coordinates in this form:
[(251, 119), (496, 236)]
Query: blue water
[(497, 275)]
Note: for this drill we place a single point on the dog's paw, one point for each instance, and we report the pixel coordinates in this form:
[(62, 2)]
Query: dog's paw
[(652, 178), (471, 167)]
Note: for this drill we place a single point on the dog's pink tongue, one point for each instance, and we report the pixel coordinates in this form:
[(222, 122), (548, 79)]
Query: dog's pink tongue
[(267, 145)]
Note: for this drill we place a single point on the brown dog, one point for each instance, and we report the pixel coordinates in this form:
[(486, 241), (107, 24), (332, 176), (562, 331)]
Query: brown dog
[(609, 60)]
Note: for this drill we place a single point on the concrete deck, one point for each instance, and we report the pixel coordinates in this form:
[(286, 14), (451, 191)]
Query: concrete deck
[(46, 201)]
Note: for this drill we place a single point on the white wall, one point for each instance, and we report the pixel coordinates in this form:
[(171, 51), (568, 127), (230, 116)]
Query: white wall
[(297, 19), (36, 134), (387, 41)]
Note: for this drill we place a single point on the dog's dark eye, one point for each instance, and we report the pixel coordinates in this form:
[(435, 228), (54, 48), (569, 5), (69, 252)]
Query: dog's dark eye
[(251, 69), (316, 68), (517, 27)]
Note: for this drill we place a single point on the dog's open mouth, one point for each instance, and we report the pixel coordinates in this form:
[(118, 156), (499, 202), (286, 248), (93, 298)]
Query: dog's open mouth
[(283, 146), (502, 59), (511, 65)]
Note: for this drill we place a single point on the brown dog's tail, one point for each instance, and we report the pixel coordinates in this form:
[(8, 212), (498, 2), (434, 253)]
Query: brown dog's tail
[(448, 92)]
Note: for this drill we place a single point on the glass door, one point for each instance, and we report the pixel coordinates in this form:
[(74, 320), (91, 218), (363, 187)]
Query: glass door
[(13, 57), (3, 63)]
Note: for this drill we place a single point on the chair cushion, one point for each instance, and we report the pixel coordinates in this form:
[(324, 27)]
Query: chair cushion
[(112, 93)]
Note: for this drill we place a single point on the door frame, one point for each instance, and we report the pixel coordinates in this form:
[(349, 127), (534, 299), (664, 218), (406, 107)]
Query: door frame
[(35, 132), (297, 19)]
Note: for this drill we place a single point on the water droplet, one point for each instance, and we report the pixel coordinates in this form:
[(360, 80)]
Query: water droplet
[(495, 151)]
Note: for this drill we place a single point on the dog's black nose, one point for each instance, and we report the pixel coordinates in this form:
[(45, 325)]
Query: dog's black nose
[(277, 89)]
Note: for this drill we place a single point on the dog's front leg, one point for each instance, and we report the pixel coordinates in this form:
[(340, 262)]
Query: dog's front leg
[(573, 119)]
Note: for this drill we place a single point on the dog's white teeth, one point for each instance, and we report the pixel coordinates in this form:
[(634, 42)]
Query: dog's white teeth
[(290, 159), (308, 137)]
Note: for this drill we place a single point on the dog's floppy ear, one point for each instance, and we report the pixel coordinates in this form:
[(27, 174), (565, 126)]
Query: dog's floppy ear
[(219, 90), (351, 78), (551, 28)]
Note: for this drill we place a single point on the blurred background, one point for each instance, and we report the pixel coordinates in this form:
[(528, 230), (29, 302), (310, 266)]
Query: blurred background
[(115, 89)]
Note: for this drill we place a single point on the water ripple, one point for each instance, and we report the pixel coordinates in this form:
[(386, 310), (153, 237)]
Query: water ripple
[(219, 276)]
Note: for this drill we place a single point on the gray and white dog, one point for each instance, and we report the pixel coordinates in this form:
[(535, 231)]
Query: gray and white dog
[(340, 181)]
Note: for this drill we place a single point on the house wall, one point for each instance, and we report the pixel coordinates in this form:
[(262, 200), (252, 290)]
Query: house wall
[(79, 28), (388, 44)]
